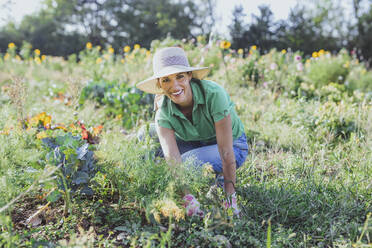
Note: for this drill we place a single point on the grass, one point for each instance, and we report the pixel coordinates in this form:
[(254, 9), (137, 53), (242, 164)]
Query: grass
[(305, 183)]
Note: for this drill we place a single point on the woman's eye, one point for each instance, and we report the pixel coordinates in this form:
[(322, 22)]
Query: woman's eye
[(166, 80)]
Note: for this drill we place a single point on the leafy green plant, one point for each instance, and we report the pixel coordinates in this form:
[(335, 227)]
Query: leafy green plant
[(120, 100), (323, 71), (76, 162)]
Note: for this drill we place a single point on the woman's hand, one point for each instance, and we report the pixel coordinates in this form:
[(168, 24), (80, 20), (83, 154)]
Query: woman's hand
[(225, 148), (169, 145)]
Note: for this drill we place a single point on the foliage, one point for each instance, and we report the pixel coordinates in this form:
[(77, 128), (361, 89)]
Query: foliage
[(306, 181), (122, 101)]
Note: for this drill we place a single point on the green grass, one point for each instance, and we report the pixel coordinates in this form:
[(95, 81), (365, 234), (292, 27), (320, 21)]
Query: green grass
[(306, 181)]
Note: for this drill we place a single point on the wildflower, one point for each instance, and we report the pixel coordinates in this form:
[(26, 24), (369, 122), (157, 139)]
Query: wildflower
[(106, 56), (11, 45), (18, 58), (168, 207), (126, 49), (225, 44), (43, 57), (300, 67), (208, 170), (98, 60), (156, 216), (99, 48), (97, 130), (283, 51), (273, 66), (297, 57), (254, 48), (37, 60), (88, 45), (265, 84), (240, 51), (122, 61), (148, 53), (315, 55), (199, 38), (321, 52), (41, 135), (136, 47), (111, 50), (6, 56), (37, 52), (346, 65)]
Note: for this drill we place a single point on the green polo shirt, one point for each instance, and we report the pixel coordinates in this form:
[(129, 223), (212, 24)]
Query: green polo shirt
[(211, 104)]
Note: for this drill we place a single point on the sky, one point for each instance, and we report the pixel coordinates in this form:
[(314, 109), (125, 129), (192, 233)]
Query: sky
[(18, 8)]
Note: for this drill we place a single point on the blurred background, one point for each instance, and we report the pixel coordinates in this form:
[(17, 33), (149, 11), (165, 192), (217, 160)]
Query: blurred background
[(63, 27)]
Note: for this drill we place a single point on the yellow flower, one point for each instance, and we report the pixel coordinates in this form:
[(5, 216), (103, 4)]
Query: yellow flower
[(315, 55), (122, 61), (43, 57), (254, 47), (168, 207), (88, 45), (199, 38), (136, 47), (240, 51), (111, 50), (37, 60), (157, 216), (18, 58), (99, 48), (11, 45), (37, 52), (6, 56), (225, 44), (41, 135), (126, 49), (250, 52), (346, 65), (283, 51), (307, 61), (98, 60), (148, 53), (321, 52)]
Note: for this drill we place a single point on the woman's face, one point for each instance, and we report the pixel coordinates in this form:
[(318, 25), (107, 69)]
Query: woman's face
[(177, 87)]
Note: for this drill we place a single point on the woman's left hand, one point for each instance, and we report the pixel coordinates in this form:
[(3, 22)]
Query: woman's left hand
[(225, 148)]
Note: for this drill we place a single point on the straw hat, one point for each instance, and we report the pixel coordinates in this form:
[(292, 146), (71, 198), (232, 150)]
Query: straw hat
[(168, 61)]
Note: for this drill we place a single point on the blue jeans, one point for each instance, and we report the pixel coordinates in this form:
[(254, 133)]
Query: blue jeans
[(203, 152)]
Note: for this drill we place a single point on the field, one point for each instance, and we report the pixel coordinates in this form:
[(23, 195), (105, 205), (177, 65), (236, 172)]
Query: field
[(74, 173)]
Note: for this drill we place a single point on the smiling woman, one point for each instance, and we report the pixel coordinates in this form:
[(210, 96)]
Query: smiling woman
[(196, 118)]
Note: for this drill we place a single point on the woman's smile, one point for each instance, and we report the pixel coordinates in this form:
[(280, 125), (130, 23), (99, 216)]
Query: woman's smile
[(177, 87)]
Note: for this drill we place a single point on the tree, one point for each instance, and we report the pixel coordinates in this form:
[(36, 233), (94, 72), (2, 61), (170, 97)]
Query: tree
[(363, 39), (64, 26), (237, 28)]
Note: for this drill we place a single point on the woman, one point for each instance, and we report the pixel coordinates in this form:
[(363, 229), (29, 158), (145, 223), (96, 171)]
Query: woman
[(196, 119)]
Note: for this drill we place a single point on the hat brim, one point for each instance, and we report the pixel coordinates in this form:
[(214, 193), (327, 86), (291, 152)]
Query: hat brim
[(149, 85)]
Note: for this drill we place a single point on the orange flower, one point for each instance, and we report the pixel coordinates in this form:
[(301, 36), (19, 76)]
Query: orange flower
[(85, 134), (97, 130)]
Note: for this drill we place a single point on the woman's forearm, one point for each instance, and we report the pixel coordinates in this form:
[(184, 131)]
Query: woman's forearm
[(229, 170)]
